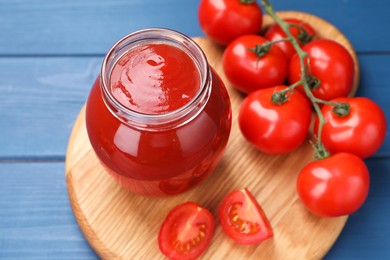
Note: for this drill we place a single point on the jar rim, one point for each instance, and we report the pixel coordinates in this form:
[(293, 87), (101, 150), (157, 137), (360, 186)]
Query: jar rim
[(158, 34)]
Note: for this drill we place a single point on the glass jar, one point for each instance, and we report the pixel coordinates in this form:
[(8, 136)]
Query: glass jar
[(163, 151)]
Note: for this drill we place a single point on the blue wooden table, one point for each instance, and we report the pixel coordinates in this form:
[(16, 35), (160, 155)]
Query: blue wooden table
[(50, 54)]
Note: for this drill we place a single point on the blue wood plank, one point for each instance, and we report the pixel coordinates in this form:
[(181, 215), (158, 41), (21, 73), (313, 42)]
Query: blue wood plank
[(87, 26), (40, 101), (365, 235), (92, 26), (41, 97), (36, 220), (374, 85)]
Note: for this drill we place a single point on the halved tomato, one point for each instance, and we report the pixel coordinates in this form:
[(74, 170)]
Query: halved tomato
[(243, 219), (186, 231)]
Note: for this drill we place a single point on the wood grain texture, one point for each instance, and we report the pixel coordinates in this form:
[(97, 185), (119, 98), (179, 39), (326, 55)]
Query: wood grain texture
[(118, 224)]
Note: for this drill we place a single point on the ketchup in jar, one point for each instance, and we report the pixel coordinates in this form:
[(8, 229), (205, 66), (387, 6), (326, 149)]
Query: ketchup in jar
[(158, 116)]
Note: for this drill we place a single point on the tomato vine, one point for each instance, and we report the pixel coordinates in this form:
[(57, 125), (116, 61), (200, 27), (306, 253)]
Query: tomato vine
[(307, 80)]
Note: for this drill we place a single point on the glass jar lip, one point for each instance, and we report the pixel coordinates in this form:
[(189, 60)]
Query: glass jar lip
[(156, 34)]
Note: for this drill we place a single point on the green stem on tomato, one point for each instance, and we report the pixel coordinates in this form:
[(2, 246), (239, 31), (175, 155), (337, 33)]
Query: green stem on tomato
[(279, 97), (303, 36), (261, 49), (312, 81), (277, 41), (292, 86), (341, 109), (320, 150)]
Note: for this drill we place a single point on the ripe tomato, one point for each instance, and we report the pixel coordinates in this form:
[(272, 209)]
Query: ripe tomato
[(361, 132), (186, 231), (275, 33), (335, 186), (274, 128), (248, 72), (331, 63), (242, 218), (225, 20)]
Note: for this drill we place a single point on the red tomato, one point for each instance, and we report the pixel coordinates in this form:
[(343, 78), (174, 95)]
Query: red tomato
[(361, 132), (273, 128), (225, 20), (335, 186), (331, 63), (275, 33), (242, 218), (248, 72), (186, 231)]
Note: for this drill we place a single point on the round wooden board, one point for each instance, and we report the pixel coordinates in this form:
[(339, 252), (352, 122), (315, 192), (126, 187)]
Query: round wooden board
[(122, 225)]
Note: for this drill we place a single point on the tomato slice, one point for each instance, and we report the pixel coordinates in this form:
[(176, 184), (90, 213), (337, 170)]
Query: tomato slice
[(186, 231), (243, 219)]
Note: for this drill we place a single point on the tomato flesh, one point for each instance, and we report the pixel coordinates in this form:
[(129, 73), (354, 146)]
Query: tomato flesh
[(243, 219), (186, 231)]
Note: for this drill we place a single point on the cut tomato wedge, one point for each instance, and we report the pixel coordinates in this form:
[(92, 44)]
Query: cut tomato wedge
[(243, 219), (186, 231)]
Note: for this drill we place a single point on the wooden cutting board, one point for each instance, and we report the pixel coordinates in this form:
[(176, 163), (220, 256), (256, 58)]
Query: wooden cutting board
[(122, 225)]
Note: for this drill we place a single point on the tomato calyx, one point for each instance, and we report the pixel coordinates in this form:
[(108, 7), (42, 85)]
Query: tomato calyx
[(341, 109), (303, 36), (247, 2), (313, 81), (260, 49), (279, 97), (320, 152)]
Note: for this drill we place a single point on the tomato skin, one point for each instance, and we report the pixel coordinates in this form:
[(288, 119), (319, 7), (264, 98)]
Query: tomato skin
[(239, 208), (362, 132), (225, 20), (335, 186), (275, 33), (331, 63), (246, 71), (272, 128), (189, 221)]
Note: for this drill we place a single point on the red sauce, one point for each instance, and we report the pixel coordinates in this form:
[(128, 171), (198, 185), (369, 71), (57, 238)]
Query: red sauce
[(168, 161), (154, 79)]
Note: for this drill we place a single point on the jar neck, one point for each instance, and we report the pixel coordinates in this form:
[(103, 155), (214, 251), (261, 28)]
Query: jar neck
[(156, 122)]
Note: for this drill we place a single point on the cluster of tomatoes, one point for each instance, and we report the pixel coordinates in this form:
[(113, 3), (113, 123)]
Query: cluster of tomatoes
[(276, 115)]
